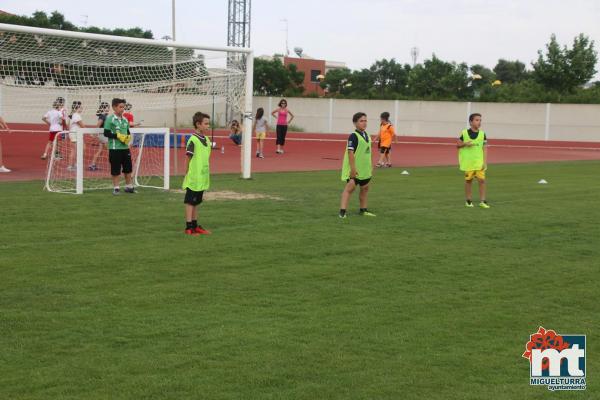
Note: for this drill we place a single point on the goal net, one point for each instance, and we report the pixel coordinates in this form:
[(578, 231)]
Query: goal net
[(164, 84), (79, 160)]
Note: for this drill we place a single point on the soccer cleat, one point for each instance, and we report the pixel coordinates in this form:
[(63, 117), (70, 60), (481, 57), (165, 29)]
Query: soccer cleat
[(261, 155), (93, 167), (191, 232), (367, 214), (257, 154), (343, 216), (201, 231), (469, 204), (4, 169), (483, 204), (116, 192), (378, 165), (129, 190)]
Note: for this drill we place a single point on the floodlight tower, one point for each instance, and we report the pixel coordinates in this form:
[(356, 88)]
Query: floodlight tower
[(238, 35), (238, 25)]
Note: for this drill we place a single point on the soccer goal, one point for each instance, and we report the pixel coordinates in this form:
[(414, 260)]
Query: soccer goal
[(79, 160), (163, 82)]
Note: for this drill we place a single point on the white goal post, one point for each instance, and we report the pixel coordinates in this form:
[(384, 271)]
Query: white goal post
[(159, 78)]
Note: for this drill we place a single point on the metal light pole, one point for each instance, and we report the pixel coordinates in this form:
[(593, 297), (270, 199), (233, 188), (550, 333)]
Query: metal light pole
[(175, 141)]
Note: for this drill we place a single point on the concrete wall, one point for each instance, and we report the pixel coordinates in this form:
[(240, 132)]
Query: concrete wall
[(567, 122)]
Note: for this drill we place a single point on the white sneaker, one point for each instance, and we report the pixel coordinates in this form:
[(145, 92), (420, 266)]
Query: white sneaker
[(4, 169)]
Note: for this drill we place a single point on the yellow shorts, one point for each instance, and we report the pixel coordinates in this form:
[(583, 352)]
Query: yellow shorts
[(469, 175), (261, 135)]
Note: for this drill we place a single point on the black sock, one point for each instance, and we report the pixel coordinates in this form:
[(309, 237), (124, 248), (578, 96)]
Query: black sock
[(194, 224), (469, 201), (189, 225), (342, 211), (362, 210)]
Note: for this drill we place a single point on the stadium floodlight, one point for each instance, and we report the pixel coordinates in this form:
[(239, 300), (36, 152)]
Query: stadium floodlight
[(39, 65)]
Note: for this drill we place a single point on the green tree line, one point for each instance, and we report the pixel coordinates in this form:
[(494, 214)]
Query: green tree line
[(559, 74)]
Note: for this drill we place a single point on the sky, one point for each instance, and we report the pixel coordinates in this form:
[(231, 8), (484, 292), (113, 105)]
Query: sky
[(357, 32)]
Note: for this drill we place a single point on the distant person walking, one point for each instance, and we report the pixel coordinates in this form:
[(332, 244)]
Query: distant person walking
[(260, 128), (3, 126), (282, 113)]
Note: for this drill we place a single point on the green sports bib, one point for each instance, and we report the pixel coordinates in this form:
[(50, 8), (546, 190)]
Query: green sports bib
[(198, 174), (362, 159), (471, 158)]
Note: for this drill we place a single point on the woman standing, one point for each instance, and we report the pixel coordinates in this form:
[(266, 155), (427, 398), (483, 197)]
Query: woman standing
[(281, 113)]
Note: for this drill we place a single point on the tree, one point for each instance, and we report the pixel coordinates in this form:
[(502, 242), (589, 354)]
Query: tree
[(564, 69), (390, 79), (439, 80), (272, 78), (57, 20), (296, 79), (337, 80), (510, 71)]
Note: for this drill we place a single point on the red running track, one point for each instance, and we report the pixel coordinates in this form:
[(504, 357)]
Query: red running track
[(23, 146)]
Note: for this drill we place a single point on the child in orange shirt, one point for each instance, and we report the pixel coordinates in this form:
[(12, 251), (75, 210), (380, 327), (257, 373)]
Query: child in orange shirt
[(387, 134)]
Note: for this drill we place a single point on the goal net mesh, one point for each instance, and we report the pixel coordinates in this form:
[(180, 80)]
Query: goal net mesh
[(147, 149), (154, 77)]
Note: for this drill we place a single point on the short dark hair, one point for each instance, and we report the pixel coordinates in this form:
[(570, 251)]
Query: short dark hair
[(385, 115), (198, 118), (472, 116), (358, 116), (116, 101)]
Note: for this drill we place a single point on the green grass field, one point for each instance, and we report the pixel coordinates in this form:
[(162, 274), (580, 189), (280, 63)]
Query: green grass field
[(104, 297)]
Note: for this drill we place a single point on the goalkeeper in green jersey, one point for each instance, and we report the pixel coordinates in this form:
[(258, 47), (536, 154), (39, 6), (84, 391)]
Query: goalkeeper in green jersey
[(116, 129)]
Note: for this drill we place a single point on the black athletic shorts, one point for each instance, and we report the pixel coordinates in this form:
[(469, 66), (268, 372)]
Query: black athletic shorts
[(360, 182), (193, 198), (281, 133), (120, 160), (385, 150)]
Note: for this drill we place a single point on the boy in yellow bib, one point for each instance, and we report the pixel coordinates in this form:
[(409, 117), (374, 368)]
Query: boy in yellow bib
[(197, 177), (472, 157), (357, 168)]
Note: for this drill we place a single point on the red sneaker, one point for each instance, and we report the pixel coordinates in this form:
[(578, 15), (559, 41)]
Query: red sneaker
[(191, 232), (201, 231)]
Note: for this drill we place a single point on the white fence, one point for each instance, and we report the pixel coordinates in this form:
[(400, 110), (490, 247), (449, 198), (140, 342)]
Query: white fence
[(570, 122)]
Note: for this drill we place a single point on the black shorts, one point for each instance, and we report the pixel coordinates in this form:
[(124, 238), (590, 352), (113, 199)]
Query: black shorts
[(193, 198), (281, 132), (360, 182), (385, 150), (120, 159)]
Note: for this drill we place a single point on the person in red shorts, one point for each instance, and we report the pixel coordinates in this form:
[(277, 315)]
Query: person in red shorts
[(55, 119)]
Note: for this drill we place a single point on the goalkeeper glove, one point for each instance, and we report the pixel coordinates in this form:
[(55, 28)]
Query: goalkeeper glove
[(125, 139)]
